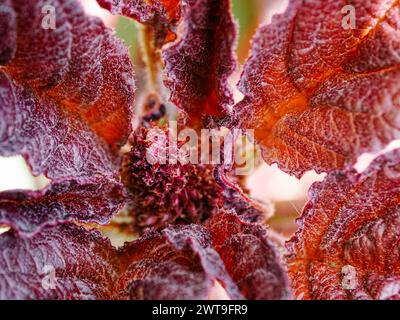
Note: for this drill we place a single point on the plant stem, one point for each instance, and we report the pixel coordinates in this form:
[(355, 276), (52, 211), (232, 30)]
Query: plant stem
[(151, 57)]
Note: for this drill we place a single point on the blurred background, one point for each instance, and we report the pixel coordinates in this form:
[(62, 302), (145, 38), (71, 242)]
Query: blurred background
[(266, 183)]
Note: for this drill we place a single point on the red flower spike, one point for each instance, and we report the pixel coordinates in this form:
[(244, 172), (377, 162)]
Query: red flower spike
[(29, 211), (165, 193), (346, 247), (257, 269), (162, 15), (55, 93), (162, 194), (200, 62), (318, 93), (65, 262)]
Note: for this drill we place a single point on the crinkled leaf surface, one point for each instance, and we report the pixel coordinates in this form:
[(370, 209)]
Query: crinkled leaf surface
[(178, 263), (69, 262), (8, 31), (64, 262), (347, 244), (157, 270), (183, 262), (162, 15), (200, 62), (235, 199), (319, 94), (65, 95), (249, 257), (29, 211)]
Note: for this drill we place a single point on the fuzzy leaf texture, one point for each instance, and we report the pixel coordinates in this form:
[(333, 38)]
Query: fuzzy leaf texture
[(250, 258), (162, 15), (177, 264), (69, 262), (92, 202), (183, 262), (200, 61), (317, 94), (55, 89), (347, 244), (62, 262)]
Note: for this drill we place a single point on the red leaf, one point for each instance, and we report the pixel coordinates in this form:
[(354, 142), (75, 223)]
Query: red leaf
[(346, 247), (235, 199), (66, 95), (29, 211), (163, 15), (65, 262), (80, 264), (8, 31), (43, 55), (200, 62), (177, 264), (249, 257), (53, 142), (317, 94)]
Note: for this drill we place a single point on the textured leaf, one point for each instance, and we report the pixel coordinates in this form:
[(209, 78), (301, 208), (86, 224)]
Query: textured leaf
[(235, 198), (42, 54), (249, 257), (79, 264), (318, 94), (347, 244), (177, 264), (65, 262), (200, 62), (65, 97), (8, 31), (52, 142), (163, 15), (29, 211)]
